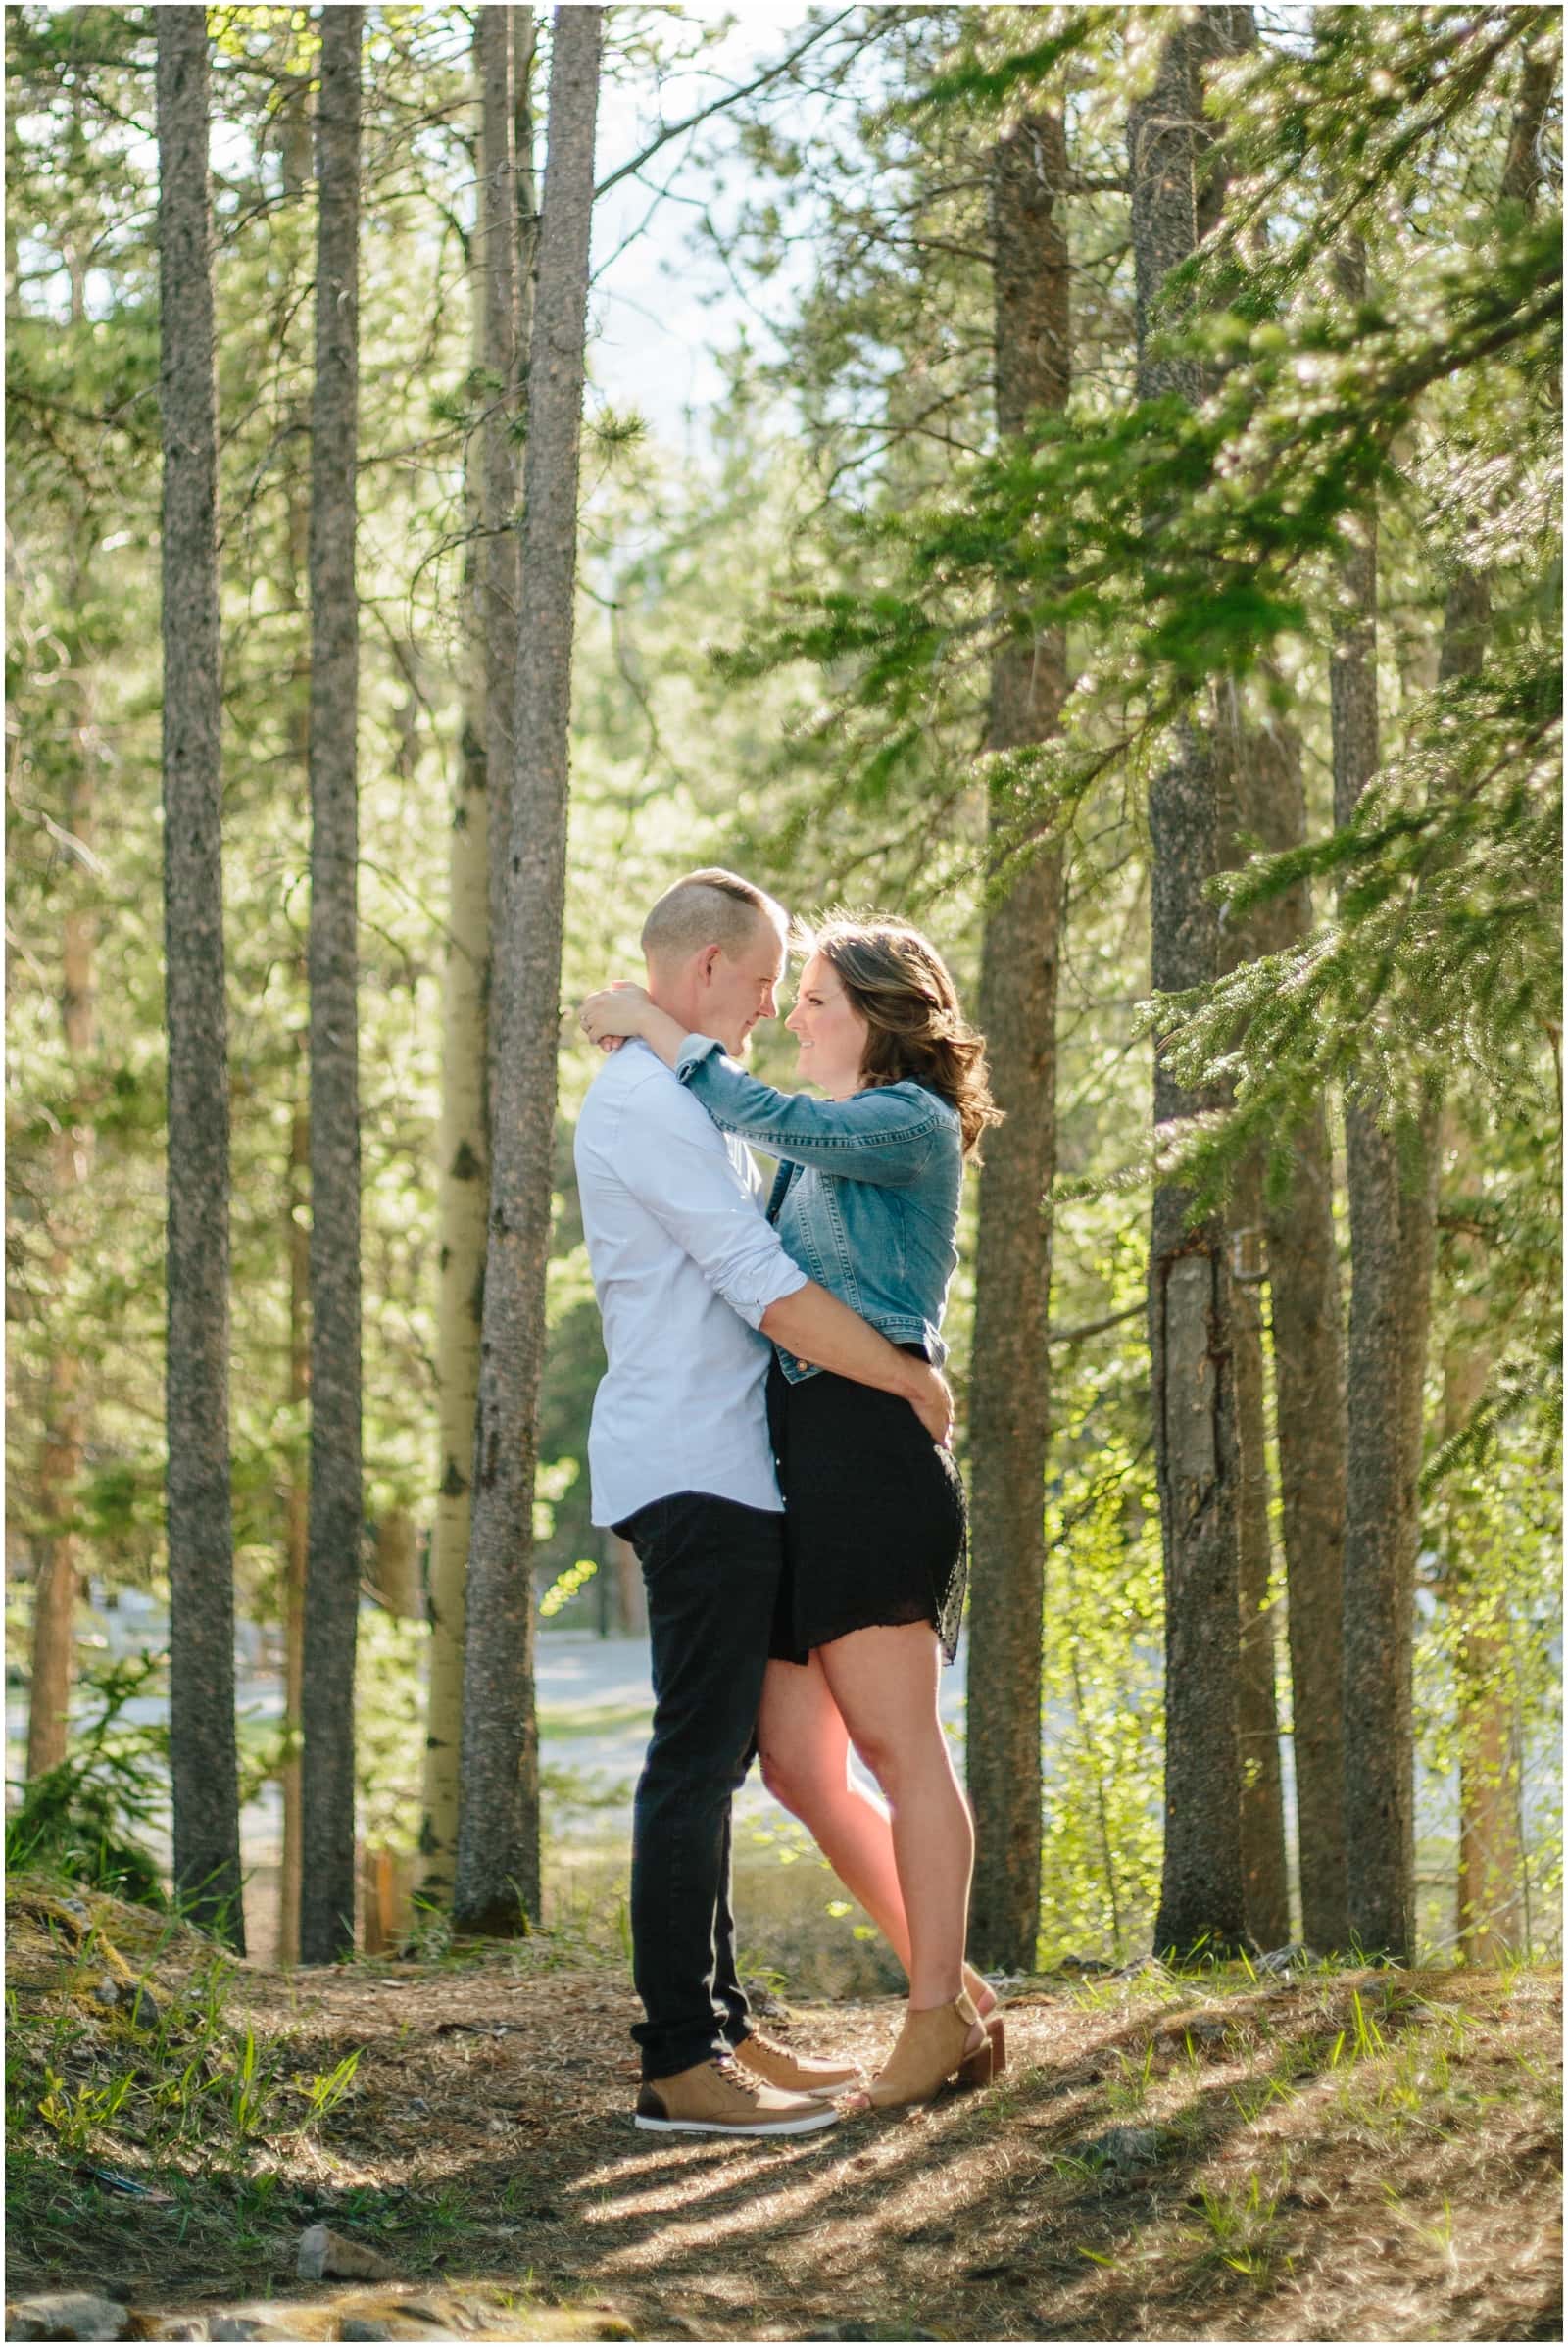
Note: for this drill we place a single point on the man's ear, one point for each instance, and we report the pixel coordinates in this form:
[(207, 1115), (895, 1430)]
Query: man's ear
[(706, 961)]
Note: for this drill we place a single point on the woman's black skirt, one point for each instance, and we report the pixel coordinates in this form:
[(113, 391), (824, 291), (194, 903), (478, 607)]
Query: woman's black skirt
[(875, 1532)]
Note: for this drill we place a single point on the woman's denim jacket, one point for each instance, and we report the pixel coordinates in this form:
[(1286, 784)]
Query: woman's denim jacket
[(867, 1196)]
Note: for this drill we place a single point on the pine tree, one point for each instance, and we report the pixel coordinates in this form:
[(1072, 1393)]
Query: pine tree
[(1379, 1553), (201, 1754), (58, 1576), (1489, 1899), (1008, 1399), (1306, 1328), (498, 1884), (1188, 1287), (336, 1501), (501, 312)]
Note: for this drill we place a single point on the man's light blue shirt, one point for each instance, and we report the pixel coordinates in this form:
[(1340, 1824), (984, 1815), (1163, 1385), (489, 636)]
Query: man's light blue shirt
[(685, 1264)]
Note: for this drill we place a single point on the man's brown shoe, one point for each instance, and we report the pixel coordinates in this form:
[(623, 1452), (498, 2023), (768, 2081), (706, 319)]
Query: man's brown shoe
[(721, 2098), (792, 2072)]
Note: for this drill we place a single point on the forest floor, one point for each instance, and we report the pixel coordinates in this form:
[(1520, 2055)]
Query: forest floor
[(1327, 2155)]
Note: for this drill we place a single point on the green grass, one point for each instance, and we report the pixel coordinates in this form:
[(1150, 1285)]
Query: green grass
[(1240, 2228)]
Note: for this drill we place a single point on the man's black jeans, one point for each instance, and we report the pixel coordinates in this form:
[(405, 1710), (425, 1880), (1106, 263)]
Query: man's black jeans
[(712, 1568)]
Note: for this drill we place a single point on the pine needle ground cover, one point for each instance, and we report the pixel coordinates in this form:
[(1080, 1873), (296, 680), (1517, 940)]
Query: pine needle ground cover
[(1330, 2155)]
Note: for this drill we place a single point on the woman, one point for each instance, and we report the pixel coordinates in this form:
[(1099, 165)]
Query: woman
[(866, 1201)]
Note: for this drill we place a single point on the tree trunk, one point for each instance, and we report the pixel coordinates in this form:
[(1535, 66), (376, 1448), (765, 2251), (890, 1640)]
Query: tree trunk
[(1265, 1877), (1492, 1857), (1220, 32), (202, 1755), (1379, 1562), (296, 1538), (1308, 1353), (498, 538), (462, 1176), (465, 1177), (631, 1594), (1202, 1900), (1488, 1918), (336, 1502), (1008, 1390), (1489, 1913), (498, 1884), (294, 154), (55, 1545)]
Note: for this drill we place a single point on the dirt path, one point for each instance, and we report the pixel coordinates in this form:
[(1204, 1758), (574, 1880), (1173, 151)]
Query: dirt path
[(1348, 2155)]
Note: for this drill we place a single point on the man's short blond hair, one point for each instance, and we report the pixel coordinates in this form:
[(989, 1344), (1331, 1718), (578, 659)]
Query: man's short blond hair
[(711, 907)]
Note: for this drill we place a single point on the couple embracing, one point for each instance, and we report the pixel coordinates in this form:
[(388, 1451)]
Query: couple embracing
[(771, 1437)]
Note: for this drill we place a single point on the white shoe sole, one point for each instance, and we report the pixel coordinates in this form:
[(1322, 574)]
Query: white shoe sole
[(806, 2124)]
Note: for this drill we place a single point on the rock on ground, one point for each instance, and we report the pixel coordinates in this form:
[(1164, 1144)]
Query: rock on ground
[(66, 2314)]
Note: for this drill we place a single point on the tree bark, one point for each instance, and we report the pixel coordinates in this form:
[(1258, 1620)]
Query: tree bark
[(1379, 1557), (1492, 1857), (1239, 752), (296, 1537), (202, 1755), (336, 1501), (498, 1885), (1489, 1913), (498, 537), (1220, 32), (464, 1184), (1201, 1899), (464, 1171), (1309, 1354), (1488, 1918), (1265, 1877), (55, 1545), (294, 155), (1008, 1388)]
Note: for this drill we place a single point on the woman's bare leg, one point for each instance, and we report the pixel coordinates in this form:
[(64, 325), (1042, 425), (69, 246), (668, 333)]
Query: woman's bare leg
[(804, 1748), (884, 1682)]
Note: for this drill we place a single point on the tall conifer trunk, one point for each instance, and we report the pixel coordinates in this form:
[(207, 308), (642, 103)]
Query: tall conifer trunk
[(1220, 32), (336, 1504), (498, 537), (1265, 1877), (1378, 1556), (1306, 1326), (1489, 1908), (202, 1755), (296, 1535), (1189, 1285), (55, 1545), (498, 1885), (294, 155), (1491, 1912), (1009, 1390), (503, 254)]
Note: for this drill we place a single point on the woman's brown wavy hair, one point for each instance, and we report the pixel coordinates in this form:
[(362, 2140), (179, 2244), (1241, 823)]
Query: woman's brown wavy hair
[(900, 985)]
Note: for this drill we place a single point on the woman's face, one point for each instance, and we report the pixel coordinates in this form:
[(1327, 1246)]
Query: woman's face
[(830, 1031)]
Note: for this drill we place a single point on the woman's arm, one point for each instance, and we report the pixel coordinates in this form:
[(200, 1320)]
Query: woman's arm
[(886, 1135), (624, 1009)]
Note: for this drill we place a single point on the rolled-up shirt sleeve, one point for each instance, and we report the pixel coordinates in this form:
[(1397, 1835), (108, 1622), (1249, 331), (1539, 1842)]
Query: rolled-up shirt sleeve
[(673, 1162)]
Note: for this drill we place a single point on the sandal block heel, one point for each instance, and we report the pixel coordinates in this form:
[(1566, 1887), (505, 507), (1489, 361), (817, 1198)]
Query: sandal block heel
[(979, 2067), (996, 2033)]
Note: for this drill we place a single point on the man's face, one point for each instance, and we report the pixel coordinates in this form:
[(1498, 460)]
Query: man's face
[(734, 994)]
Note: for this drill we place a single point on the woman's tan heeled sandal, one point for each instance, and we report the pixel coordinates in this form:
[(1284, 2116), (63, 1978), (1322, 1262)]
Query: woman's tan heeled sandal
[(932, 2047), (992, 2023)]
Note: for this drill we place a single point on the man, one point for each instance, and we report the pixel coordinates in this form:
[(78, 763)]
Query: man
[(693, 1285)]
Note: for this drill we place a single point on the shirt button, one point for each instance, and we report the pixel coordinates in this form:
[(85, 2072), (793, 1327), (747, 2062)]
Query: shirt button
[(800, 1364)]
